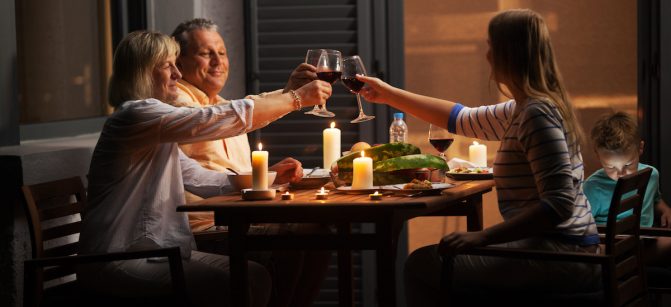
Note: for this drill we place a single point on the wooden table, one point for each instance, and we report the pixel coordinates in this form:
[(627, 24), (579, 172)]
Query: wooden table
[(340, 210)]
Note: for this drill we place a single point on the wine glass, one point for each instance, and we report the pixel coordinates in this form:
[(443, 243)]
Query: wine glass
[(440, 139), (329, 68), (351, 66)]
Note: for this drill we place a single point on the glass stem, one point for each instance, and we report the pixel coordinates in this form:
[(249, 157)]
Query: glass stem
[(358, 100)]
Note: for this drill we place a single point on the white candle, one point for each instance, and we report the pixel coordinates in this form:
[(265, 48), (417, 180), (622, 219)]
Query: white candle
[(477, 153), (331, 145), (260, 169), (363, 173)]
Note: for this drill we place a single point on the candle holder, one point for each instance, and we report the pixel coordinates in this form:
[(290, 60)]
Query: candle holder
[(375, 196), (287, 196), (322, 194), (251, 194)]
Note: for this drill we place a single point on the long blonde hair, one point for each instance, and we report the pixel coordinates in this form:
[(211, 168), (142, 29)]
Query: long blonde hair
[(522, 52), (134, 60)]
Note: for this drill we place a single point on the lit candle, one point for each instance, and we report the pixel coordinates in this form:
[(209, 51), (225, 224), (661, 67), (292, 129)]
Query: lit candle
[(260, 169), (322, 194), (287, 196), (363, 173), (331, 145), (477, 153), (375, 196)]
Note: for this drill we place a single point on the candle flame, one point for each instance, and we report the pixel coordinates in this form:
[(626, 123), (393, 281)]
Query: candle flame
[(260, 146), (286, 193), (376, 193), (332, 125), (476, 143), (322, 190), (362, 154)]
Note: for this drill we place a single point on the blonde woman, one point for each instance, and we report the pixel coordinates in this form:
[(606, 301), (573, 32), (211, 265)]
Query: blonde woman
[(137, 175), (538, 169)]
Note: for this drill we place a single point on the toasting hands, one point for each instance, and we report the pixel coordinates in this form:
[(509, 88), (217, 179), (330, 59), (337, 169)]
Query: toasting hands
[(302, 75)]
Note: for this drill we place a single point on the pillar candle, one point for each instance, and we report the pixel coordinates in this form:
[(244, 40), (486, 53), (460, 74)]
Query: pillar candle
[(260, 169), (363, 173), (331, 145), (477, 153)]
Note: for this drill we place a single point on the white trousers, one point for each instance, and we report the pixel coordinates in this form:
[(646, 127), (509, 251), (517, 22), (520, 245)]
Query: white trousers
[(207, 279)]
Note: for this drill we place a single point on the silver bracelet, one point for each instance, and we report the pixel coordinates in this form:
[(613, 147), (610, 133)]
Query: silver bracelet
[(297, 100)]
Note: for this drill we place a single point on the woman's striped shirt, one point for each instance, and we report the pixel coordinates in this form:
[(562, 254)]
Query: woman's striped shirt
[(533, 164)]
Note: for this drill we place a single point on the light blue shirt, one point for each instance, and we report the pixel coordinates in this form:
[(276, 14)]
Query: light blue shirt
[(599, 190)]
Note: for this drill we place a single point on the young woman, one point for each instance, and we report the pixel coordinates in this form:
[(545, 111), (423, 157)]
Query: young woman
[(138, 175), (538, 169)]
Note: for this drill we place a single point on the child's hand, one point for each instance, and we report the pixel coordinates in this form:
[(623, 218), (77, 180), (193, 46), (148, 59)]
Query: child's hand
[(665, 219)]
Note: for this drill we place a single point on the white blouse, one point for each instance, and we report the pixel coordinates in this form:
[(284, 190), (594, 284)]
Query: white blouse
[(138, 174)]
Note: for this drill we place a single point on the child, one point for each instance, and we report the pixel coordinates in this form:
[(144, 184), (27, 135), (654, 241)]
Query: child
[(618, 146)]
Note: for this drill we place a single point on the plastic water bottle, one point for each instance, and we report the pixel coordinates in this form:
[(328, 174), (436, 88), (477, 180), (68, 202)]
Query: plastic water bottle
[(398, 131)]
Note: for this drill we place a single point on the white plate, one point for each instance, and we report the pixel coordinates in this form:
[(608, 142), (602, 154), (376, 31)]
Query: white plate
[(472, 176), (436, 188), (349, 190)]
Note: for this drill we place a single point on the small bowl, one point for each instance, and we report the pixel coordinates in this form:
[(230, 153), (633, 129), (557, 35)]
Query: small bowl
[(244, 180)]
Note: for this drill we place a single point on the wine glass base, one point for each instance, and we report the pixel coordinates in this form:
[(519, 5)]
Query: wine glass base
[(324, 113), (362, 119)]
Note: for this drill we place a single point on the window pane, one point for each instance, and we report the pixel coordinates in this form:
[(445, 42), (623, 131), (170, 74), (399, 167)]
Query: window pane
[(445, 49), (59, 60)]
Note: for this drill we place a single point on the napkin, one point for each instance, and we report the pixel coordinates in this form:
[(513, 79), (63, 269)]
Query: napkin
[(457, 163)]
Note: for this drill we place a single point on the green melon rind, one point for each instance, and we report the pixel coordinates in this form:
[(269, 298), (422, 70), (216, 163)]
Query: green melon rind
[(409, 162)]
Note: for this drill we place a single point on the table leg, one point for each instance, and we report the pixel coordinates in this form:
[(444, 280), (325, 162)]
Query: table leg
[(474, 217), (345, 292), (239, 282), (386, 261)]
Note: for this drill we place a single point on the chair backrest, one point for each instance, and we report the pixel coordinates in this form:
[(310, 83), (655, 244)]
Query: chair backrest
[(624, 279), (53, 210)]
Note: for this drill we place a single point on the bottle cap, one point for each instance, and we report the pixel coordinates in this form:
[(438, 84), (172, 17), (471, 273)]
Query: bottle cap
[(398, 115)]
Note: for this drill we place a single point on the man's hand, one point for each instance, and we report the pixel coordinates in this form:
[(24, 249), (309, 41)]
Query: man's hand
[(315, 92), (459, 241), (288, 170), (302, 75)]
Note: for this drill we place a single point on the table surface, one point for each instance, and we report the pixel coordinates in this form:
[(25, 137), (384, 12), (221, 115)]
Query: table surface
[(339, 201)]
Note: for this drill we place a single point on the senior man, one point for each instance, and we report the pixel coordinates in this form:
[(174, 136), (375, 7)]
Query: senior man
[(203, 62)]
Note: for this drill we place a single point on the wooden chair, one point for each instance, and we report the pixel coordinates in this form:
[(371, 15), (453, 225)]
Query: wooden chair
[(53, 210), (623, 277)]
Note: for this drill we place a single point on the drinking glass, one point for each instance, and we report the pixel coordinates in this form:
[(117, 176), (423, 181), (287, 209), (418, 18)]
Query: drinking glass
[(351, 67), (440, 139), (329, 69)]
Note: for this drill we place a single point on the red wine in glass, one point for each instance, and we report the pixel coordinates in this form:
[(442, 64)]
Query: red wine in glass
[(329, 76), (352, 84), (441, 145)]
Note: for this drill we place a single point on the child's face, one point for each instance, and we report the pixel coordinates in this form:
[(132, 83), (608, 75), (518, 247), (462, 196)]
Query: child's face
[(618, 164)]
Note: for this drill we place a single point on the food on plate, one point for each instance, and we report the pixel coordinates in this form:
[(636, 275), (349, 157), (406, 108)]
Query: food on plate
[(359, 146), (466, 170), (416, 184), (393, 163)]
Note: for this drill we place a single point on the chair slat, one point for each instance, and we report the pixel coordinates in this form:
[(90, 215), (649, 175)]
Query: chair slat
[(61, 231), (63, 250), (624, 246), (626, 267), (60, 211), (58, 272), (48, 190), (629, 203), (626, 225), (630, 289)]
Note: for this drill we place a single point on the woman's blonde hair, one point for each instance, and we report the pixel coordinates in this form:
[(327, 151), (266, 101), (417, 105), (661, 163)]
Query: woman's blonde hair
[(134, 59), (522, 52)]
